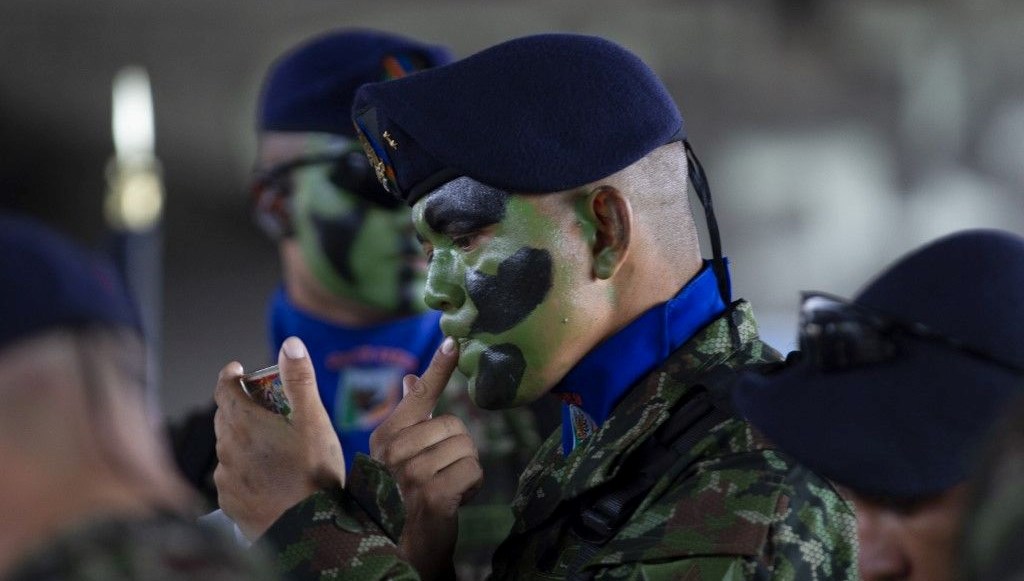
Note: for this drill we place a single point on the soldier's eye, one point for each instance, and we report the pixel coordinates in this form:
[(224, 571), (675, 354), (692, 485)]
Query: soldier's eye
[(464, 242), (428, 250)]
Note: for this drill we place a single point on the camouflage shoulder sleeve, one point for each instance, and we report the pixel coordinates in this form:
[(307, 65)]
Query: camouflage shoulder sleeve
[(794, 528), (343, 533), (815, 536)]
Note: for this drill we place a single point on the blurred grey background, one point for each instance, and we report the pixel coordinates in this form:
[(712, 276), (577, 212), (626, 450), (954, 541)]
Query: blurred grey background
[(836, 134)]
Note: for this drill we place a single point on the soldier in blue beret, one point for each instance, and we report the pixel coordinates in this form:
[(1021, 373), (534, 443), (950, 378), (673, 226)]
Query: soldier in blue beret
[(353, 273), (548, 181), (88, 490), (892, 392), (352, 276)]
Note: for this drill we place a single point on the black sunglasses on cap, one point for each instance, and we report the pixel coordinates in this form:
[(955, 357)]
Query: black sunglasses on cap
[(271, 189), (836, 334)]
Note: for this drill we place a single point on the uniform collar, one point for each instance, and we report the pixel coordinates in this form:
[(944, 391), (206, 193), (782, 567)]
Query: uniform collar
[(599, 381)]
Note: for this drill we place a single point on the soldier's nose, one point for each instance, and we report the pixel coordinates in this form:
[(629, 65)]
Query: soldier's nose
[(442, 291)]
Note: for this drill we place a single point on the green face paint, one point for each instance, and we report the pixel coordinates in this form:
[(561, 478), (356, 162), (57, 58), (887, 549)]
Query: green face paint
[(356, 249), (504, 276)]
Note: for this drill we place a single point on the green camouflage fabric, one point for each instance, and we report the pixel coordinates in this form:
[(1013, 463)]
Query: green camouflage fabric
[(372, 514), (506, 441), (161, 548), (742, 510)]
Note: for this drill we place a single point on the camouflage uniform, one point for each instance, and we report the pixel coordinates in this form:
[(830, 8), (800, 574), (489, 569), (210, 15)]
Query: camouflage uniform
[(158, 548), (505, 440), (740, 509)]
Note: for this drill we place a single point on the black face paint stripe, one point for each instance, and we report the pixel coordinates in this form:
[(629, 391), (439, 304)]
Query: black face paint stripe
[(463, 206), (407, 276), (337, 236), (508, 297), (501, 371)]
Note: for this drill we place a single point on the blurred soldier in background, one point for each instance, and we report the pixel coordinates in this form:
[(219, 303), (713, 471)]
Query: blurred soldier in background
[(548, 178), (89, 490), (353, 273), (892, 392), (992, 547), (353, 276)]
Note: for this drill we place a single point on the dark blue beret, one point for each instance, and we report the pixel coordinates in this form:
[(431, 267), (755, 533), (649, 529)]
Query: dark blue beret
[(536, 114), (47, 282), (311, 87), (909, 427)]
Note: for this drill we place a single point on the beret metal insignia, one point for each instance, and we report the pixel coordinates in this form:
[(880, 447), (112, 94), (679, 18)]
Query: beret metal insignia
[(378, 165)]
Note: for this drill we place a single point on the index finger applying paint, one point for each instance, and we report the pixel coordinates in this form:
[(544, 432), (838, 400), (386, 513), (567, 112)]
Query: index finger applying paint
[(423, 392)]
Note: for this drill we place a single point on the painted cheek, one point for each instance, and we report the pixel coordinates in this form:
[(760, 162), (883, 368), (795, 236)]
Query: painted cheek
[(337, 237), (326, 227), (385, 264), (506, 298)]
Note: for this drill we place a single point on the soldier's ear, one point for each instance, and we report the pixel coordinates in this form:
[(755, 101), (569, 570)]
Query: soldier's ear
[(607, 220)]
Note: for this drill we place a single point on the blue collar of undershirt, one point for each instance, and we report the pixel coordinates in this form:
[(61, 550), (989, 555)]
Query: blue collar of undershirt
[(599, 381)]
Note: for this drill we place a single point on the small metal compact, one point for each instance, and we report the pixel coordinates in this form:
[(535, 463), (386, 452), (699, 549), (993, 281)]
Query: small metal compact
[(265, 388)]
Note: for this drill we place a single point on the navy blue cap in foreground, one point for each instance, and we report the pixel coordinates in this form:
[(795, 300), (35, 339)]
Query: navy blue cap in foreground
[(311, 87), (536, 114), (909, 427), (46, 282)]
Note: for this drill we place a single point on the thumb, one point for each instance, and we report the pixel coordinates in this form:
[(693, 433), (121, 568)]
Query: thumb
[(299, 379)]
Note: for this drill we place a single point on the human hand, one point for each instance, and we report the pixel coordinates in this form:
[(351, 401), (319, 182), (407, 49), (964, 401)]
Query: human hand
[(434, 462), (267, 463)]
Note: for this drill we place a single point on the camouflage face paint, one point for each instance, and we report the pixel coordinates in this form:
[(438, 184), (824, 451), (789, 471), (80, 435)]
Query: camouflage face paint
[(336, 237), (466, 206), (501, 368), (504, 272), (356, 249), (509, 296)]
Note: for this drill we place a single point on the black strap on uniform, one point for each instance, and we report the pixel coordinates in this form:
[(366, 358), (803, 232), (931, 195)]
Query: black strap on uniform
[(194, 445), (612, 505), (703, 190)]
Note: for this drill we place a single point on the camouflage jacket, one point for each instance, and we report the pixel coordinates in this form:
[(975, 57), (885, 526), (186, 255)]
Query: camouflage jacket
[(506, 440), (731, 507), (165, 548)]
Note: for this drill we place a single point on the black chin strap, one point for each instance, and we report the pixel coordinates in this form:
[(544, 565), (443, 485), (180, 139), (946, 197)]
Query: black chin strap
[(700, 184)]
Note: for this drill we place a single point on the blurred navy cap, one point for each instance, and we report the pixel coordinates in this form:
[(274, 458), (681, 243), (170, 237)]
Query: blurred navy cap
[(311, 87), (536, 114), (46, 282), (911, 426)]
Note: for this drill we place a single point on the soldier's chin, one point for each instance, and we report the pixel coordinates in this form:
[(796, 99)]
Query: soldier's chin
[(489, 398)]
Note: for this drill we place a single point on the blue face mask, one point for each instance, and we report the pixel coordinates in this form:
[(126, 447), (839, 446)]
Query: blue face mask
[(359, 370)]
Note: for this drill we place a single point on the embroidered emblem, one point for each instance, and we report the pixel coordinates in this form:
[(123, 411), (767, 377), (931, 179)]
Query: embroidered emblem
[(365, 396), (583, 426), (390, 140)]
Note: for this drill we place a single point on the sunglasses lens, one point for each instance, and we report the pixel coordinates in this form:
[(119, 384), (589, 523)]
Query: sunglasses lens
[(835, 335), (355, 175), (270, 195)]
